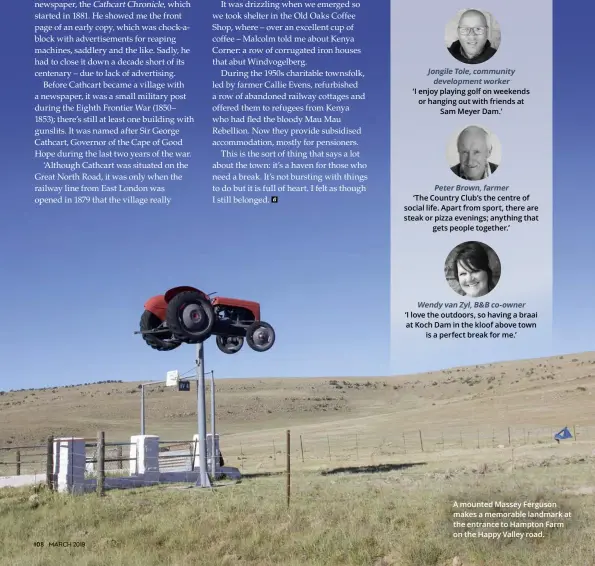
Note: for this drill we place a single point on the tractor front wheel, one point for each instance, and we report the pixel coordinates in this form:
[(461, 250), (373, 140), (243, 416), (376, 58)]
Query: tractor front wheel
[(260, 336), (163, 341), (230, 344)]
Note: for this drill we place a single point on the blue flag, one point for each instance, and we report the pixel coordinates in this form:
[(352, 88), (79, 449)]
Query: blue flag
[(563, 434)]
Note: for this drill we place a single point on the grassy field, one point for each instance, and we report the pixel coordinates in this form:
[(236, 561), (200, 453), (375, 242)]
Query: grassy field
[(399, 517), (383, 461)]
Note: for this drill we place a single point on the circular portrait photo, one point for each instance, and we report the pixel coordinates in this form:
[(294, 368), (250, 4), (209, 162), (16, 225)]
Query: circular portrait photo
[(472, 36), (474, 153), (472, 269)]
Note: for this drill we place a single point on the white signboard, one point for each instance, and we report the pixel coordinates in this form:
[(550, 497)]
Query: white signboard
[(172, 378)]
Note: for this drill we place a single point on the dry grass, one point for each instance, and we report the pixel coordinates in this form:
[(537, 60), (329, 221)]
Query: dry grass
[(395, 516), (527, 393)]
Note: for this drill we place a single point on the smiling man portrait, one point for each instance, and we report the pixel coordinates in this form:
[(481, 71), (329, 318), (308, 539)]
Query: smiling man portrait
[(474, 148), (473, 45)]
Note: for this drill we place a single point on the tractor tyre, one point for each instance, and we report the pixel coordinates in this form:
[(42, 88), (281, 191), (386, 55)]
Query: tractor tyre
[(164, 342), (230, 344), (190, 317), (260, 336)]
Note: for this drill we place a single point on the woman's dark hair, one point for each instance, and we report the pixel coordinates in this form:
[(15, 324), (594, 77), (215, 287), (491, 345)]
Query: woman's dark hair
[(473, 256)]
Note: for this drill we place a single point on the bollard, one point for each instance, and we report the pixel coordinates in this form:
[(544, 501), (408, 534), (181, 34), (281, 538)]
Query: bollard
[(49, 467), (288, 468), (100, 463)]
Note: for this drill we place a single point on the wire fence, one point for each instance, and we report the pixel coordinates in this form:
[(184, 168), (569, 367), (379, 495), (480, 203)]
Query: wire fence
[(26, 460), (118, 459), (309, 449), (327, 448), (23, 460)]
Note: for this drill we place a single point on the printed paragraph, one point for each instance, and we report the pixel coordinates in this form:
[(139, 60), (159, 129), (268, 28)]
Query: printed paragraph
[(110, 104), (457, 321), (475, 101), (282, 124), (498, 520), (471, 212)]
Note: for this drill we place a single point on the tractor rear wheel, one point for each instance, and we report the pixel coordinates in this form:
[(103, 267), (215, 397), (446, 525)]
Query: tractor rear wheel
[(190, 317)]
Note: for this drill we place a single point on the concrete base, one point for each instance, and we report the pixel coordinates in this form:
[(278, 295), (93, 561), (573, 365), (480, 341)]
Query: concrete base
[(230, 472), (126, 482), (21, 481), (131, 482)]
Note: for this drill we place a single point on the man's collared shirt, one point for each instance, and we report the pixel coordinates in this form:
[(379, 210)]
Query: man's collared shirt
[(457, 170), (456, 50)]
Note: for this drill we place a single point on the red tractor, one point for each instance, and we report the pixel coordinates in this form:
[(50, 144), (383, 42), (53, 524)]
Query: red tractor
[(188, 315)]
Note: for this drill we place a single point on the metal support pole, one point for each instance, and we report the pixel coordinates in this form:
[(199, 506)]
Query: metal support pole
[(288, 467), (201, 414), (142, 409), (213, 445), (198, 413)]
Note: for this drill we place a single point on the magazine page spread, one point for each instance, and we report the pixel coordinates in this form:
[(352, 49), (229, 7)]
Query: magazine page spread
[(296, 282)]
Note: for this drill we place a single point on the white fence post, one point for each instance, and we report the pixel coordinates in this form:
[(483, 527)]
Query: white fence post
[(145, 448), (209, 452), (71, 458), (56, 461)]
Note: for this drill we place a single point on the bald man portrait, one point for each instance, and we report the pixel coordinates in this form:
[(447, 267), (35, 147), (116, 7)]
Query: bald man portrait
[(472, 46), (474, 146)]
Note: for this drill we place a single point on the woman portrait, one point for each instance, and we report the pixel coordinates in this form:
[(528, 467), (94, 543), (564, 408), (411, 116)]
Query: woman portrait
[(472, 269)]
